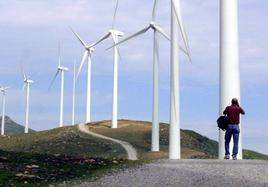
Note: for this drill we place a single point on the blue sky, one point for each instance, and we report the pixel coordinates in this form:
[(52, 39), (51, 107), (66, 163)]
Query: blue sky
[(30, 31)]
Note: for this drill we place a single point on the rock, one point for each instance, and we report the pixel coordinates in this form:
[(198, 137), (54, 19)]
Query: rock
[(91, 161), (2, 158), (21, 176), (2, 166), (35, 166), (32, 167)]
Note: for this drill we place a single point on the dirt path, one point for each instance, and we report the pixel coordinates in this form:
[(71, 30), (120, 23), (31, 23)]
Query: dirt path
[(130, 150)]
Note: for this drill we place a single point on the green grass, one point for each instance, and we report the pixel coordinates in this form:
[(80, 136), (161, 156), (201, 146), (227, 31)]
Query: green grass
[(248, 154), (67, 140), (52, 169), (64, 151), (138, 133)]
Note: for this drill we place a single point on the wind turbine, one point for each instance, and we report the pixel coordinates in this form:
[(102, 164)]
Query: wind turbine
[(74, 89), (114, 34), (4, 91), (87, 56), (60, 70), (156, 31), (229, 63), (174, 129), (26, 84)]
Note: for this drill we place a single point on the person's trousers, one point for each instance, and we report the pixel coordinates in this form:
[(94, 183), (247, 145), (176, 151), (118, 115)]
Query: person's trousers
[(232, 131)]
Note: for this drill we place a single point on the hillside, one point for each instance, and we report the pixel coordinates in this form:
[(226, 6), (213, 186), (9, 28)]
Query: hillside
[(12, 128), (69, 141), (138, 133), (61, 154)]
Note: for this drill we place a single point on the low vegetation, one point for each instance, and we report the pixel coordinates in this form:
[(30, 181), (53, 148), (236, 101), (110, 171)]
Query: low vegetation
[(66, 154), (27, 169)]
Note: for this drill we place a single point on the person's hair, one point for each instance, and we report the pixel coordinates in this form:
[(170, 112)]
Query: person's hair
[(235, 102)]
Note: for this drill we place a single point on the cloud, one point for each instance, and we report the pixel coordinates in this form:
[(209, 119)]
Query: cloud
[(30, 31)]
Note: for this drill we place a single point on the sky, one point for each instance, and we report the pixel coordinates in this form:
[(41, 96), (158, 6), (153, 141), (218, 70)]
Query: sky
[(30, 31)]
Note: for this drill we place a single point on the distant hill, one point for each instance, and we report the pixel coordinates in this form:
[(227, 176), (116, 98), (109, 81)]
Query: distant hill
[(12, 128), (69, 141)]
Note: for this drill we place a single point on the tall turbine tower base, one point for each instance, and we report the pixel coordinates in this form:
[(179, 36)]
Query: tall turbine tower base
[(229, 64), (174, 129)]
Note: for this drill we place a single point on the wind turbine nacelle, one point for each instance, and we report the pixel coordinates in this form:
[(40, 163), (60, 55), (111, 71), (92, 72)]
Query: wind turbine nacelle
[(117, 33), (91, 50), (4, 89), (63, 68), (152, 23), (29, 81)]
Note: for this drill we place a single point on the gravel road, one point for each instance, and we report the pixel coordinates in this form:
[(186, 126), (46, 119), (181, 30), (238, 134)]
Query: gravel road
[(187, 173), (130, 150)]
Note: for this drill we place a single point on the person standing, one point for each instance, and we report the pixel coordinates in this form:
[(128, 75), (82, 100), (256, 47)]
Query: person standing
[(233, 114)]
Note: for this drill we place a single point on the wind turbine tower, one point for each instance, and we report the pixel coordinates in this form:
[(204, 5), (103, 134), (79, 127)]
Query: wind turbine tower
[(4, 91), (87, 56), (229, 63), (114, 34), (74, 90), (174, 129), (60, 70), (157, 30), (27, 83)]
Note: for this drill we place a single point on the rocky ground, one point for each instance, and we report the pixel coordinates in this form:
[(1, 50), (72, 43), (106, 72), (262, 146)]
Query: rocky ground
[(25, 169), (199, 173)]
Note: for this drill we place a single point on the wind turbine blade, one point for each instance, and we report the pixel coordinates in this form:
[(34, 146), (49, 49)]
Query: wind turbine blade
[(6, 88), (183, 33), (132, 36), (22, 71), (99, 41), (119, 53), (162, 32), (154, 10), (183, 50), (82, 63), (115, 12), (79, 38), (32, 75), (53, 80)]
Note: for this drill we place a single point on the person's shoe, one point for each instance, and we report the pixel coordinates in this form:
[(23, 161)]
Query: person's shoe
[(227, 157), (234, 157)]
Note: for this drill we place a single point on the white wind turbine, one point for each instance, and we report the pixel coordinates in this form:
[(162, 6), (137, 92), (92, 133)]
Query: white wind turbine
[(114, 34), (156, 31), (26, 84), (174, 129), (229, 63), (60, 70), (4, 91), (87, 56), (74, 90)]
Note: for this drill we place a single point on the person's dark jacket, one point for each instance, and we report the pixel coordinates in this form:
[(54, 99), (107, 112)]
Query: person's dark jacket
[(233, 113)]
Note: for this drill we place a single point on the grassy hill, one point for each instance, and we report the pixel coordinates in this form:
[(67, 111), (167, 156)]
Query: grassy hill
[(69, 141), (12, 128), (66, 153)]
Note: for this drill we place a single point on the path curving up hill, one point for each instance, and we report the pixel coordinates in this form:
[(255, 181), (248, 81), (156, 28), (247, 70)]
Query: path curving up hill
[(130, 150), (189, 173)]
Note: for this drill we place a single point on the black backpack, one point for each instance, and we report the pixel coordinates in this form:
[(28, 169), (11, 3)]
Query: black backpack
[(223, 122)]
